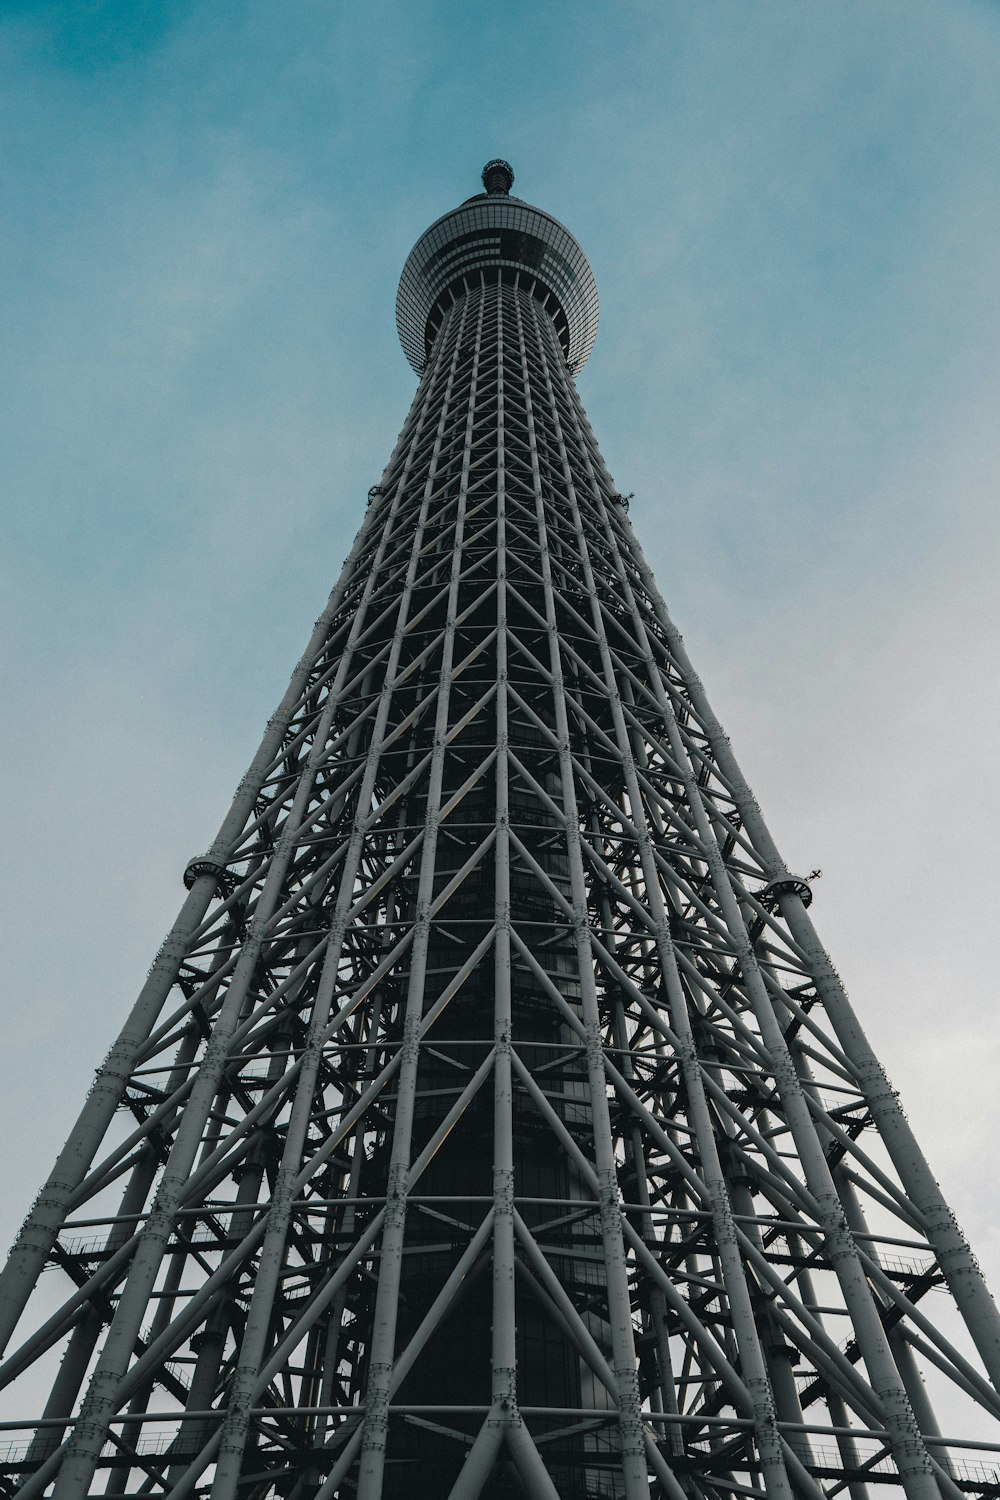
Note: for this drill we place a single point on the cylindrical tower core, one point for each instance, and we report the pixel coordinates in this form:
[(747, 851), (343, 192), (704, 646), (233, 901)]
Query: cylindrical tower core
[(492, 291)]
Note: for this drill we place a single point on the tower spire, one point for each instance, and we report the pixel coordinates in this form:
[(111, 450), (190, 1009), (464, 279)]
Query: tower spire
[(498, 177), (492, 1121)]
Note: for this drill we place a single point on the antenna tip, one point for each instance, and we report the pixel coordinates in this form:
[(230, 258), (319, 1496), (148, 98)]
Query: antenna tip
[(498, 177)]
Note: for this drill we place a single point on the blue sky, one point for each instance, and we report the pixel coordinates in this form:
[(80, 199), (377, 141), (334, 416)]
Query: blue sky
[(792, 209)]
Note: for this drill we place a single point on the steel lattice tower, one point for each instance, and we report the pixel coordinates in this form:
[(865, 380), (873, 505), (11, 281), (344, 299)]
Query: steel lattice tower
[(492, 1122)]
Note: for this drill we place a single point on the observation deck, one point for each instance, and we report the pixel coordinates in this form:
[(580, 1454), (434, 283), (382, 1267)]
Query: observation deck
[(495, 232)]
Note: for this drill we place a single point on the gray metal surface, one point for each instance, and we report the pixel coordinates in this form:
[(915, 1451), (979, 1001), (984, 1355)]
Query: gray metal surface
[(492, 1121)]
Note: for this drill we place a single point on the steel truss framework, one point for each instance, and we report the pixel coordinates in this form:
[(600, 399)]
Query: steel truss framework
[(491, 1121)]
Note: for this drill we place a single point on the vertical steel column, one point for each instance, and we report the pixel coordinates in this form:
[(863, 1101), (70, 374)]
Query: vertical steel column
[(619, 1304), (908, 1447), (744, 1324), (504, 1375), (376, 1423), (91, 1427)]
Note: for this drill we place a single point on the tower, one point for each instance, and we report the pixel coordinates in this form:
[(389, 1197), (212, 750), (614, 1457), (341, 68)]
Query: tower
[(491, 1122)]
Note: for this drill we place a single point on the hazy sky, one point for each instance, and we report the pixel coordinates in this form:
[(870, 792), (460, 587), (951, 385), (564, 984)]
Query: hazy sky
[(792, 208)]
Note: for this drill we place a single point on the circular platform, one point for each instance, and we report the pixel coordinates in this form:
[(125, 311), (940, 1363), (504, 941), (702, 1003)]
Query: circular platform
[(493, 233)]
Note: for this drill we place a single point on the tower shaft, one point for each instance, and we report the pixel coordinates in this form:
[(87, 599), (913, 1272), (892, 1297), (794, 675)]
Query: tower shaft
[(492, 1121)]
